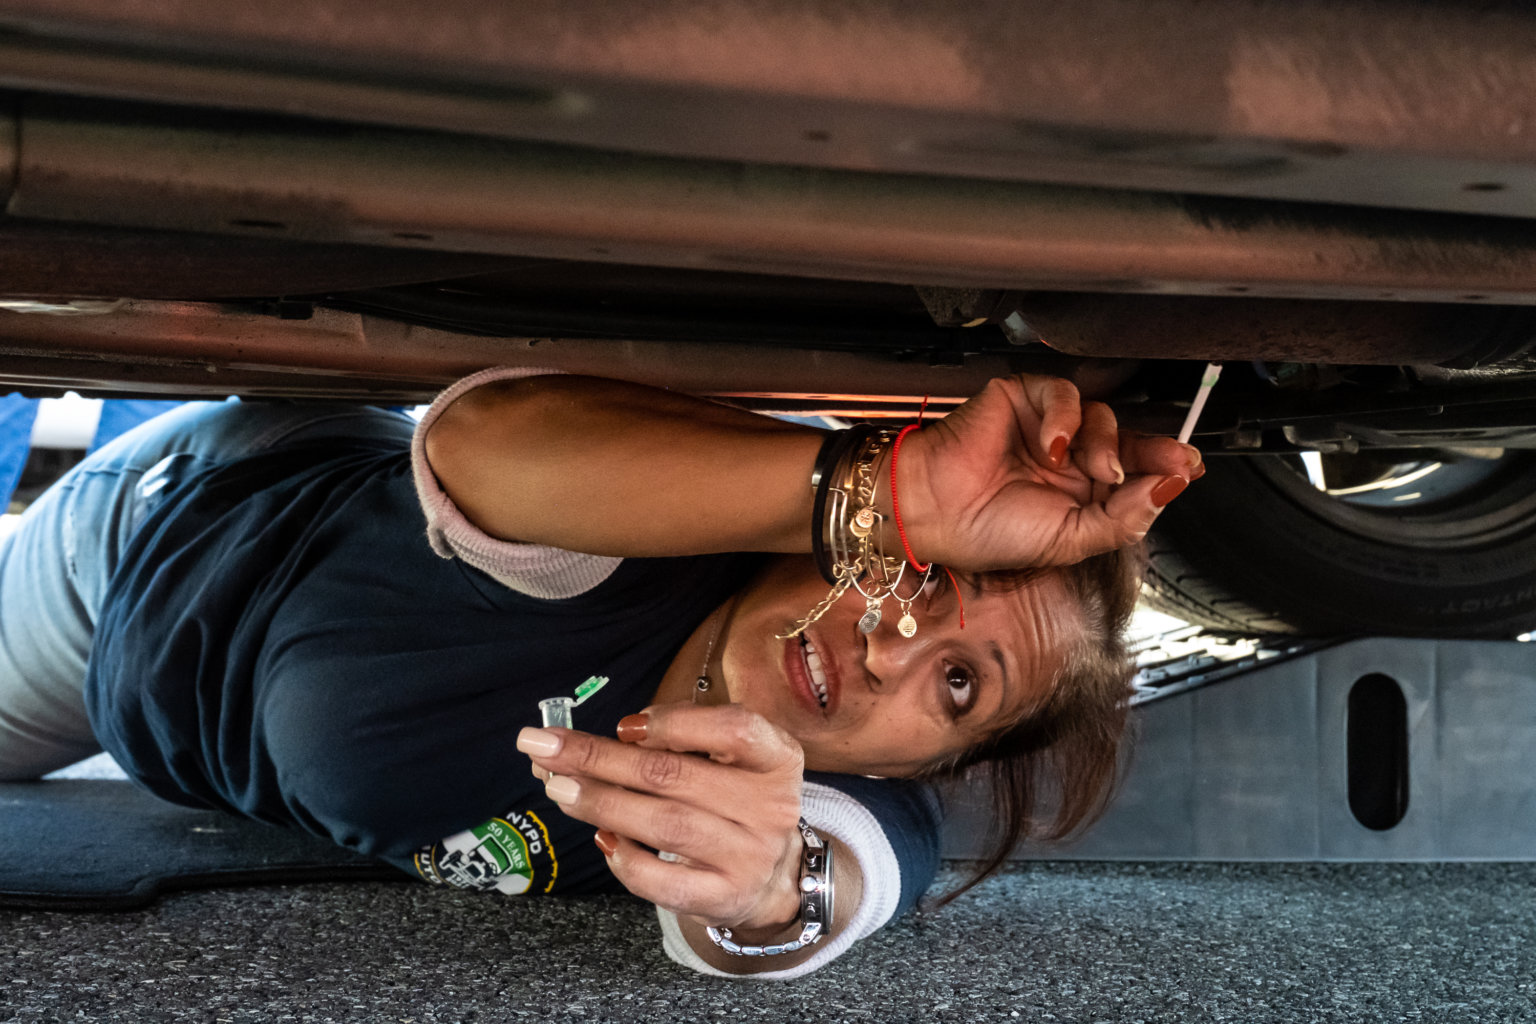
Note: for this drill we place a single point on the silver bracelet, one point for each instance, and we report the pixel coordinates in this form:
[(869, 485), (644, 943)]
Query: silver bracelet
[(815, 902)]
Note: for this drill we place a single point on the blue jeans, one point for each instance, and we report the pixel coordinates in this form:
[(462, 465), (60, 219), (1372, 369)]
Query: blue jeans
[(55, 568)]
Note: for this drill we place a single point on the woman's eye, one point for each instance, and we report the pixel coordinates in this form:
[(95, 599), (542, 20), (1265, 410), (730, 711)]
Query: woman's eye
[(962, 688)]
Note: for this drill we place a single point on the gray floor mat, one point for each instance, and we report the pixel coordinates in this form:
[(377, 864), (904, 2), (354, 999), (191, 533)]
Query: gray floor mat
[(99, 844)]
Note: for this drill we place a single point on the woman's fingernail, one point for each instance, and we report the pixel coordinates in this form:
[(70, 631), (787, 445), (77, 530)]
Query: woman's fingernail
[(606, 841), (1119, 470), (1167, 489), (1196, 462), (1058, 452), (538, 743), (562, 790), (632, 728)]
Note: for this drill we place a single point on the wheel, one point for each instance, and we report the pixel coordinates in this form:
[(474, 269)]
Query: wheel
[(1418, 545)]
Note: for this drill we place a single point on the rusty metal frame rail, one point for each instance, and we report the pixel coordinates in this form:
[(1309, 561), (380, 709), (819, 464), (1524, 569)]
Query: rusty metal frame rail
[(455, 193), (193, 348), (1409, 105)]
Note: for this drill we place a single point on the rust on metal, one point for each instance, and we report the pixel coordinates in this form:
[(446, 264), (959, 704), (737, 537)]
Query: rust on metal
[(208, 349), (1418, 106), (474, 195)]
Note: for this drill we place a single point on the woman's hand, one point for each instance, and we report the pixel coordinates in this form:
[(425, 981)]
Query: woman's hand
[(1027, 473), (729, 818)]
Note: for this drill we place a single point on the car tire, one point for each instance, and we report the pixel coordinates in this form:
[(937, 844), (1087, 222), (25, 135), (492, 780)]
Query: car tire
[(1253, 547)]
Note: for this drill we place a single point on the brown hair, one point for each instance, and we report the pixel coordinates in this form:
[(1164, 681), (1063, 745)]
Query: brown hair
[(1068, 749)]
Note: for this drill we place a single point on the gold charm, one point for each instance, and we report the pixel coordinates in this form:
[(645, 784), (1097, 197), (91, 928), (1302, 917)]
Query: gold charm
[(907, 626), (863, 522)]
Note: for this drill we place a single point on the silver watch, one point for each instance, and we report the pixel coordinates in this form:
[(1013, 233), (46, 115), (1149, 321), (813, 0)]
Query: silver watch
[(815, 902)]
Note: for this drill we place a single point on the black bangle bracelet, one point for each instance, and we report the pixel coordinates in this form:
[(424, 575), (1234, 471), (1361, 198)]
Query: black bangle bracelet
[(834, 449), (820, 474)]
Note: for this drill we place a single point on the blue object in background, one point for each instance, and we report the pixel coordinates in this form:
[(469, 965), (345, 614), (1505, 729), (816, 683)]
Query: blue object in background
[(120, 415), (16, 417)]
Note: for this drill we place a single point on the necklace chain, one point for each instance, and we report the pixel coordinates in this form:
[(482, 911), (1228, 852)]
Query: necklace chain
[(703, 684)]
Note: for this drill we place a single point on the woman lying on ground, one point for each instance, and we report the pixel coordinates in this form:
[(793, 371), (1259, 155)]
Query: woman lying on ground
[(236, 602)]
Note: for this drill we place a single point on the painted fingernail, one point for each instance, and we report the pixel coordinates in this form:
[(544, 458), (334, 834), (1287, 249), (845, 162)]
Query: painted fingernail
[(1196, 462), (562, 790), (632, 729), (538, 743), (1167, 489), (1058, 452), (606, 841)]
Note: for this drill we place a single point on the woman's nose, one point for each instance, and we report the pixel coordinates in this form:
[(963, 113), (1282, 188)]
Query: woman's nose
[(890, 659)]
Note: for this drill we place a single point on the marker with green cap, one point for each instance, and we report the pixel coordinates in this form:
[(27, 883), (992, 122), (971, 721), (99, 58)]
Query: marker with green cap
[(1207, 382)]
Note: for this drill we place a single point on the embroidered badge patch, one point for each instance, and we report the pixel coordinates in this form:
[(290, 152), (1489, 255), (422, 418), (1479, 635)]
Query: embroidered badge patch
[(511, 855)]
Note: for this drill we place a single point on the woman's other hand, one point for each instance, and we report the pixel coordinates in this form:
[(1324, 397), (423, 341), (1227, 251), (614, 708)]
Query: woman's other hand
[(729, 818), (1027, 473)]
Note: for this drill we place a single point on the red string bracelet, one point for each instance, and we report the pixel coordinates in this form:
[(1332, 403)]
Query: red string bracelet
[(901, 531)]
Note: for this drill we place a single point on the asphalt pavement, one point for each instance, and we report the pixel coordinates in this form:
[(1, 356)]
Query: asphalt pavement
[(1043, 942)]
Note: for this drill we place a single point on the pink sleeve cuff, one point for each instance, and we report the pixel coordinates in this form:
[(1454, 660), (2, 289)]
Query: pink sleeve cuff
[(533, 569)]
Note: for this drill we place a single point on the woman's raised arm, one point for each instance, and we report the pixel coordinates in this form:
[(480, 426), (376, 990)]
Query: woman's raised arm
[(1026, 473), (612, 468)]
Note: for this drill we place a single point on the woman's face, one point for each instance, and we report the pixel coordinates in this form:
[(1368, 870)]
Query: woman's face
[(884, 704)]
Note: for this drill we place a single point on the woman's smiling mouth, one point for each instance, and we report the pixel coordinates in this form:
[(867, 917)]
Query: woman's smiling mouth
[(813, 677), (818, 674)]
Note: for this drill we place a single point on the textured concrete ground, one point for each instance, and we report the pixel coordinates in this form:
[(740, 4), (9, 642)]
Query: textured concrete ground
[(1045, 942)]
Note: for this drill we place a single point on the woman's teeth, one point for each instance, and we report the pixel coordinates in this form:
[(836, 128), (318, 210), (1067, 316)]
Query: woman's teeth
[(818, 675)]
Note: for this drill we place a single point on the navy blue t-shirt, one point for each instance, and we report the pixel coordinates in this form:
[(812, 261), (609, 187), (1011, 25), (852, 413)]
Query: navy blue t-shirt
[(280, 642)]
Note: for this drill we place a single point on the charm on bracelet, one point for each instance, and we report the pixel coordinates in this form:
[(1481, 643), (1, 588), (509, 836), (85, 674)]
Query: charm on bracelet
[(870, 620), (863, 523), (907, 624)]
